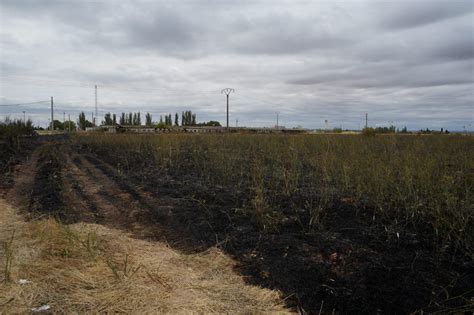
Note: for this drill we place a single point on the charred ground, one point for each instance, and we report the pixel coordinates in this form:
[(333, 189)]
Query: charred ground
[(354, 263)]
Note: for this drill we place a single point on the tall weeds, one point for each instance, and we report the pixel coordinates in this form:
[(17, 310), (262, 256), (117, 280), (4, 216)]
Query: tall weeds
[(421, 182)]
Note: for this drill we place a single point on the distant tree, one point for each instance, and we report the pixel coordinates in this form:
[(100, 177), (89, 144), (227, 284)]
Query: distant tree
[(188, 118), (58, 125), (148, 120), (183, 121), (82, 122), (170, 120), (176, 119), (193, 120), (69, 125), (114, 119), (211, 123), (122, 119), (161, 120), (108, 119), (130, 119)]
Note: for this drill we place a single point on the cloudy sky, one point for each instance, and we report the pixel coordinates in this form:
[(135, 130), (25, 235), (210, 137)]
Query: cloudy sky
[(407, 62)]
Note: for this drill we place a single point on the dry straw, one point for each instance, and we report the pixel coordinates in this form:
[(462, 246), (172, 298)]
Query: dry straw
[(87, 268)]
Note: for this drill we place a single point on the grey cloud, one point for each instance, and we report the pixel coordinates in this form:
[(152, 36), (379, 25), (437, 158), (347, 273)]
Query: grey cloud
[(409, 14), (270, 35), (311, 61), (395, 75), (459, 48)]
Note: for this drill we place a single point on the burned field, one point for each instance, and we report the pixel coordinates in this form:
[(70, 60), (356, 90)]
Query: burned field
[(343, 223)]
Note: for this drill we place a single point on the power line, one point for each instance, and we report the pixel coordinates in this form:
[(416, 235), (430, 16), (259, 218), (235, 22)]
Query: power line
[(22, 104)]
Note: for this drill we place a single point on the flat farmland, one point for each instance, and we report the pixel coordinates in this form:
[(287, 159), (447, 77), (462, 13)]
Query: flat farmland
[(342, 223)]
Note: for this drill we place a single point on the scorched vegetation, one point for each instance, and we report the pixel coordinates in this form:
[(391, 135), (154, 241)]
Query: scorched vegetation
[(337, 222)]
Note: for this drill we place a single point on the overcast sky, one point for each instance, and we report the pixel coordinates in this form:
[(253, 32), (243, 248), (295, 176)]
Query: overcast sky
[(406, 62)]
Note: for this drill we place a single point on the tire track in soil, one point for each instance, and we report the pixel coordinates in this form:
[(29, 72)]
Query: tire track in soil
[(160, 212), (91, 185), (24, 175), (104, 198)]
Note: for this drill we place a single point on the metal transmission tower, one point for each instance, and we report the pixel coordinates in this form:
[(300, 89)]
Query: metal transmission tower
[(95, 105), (227, 91)]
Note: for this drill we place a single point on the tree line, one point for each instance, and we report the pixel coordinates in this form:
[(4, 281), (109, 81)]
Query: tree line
[(188, 118)]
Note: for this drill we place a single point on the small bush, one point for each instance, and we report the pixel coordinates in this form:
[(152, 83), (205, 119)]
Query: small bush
[(370, 132)]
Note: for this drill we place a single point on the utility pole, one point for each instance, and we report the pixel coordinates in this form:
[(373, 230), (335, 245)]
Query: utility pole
[(277, 119), (92, 117), (69, 122), (366, 120), (96, 114), (64, 121), (52, 115), (24, 118), (227, 91)]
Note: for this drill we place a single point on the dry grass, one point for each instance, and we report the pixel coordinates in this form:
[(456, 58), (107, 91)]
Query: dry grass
[(89, 268)]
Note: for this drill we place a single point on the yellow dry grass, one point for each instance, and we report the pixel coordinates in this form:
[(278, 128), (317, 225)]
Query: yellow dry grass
[(88, 268)]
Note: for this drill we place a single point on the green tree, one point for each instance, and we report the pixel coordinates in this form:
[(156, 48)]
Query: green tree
[(108, 119), (211, 123), (69, 125), (148, 119), (58, 125), (82, 122), (176, 119)]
